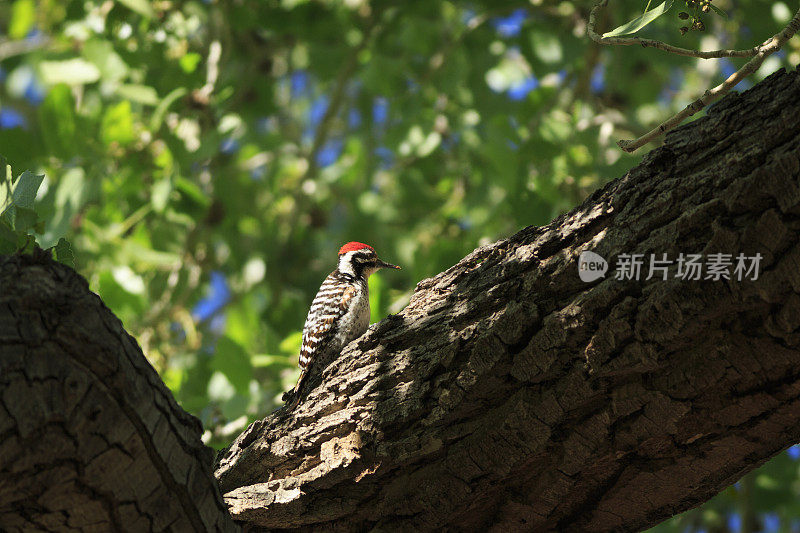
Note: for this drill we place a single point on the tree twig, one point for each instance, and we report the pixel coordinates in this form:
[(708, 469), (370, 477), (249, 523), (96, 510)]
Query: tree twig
[(660, 45), (14, 48), (769, 47), (203, 94)]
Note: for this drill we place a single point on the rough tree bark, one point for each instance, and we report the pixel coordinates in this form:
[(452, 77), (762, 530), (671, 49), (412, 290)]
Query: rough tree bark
[(90, 437), (508, 393)]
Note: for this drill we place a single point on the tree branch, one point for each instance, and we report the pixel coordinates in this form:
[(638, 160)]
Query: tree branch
[(9, 48), (769, 47), (760, 52), (659, 45), (511, 394)]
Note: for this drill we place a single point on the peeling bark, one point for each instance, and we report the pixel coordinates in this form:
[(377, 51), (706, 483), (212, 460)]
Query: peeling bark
[(508, 395), (90, 438), (511, 395)]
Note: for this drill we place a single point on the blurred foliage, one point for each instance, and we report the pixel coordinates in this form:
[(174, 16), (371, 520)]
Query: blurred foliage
[(206, 159)]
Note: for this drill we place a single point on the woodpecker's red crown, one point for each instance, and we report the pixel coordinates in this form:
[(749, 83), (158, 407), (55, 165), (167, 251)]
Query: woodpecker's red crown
[(352, 246)]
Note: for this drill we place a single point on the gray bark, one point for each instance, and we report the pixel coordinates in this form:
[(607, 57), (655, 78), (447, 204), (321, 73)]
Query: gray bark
[(510, 394), (507, 395)]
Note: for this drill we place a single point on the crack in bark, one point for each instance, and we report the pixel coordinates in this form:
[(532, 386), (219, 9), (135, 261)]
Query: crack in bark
[(82, 410)]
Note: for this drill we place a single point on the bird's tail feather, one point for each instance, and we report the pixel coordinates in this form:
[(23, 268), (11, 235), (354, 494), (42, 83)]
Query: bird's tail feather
[(300, 381), (295, 396)]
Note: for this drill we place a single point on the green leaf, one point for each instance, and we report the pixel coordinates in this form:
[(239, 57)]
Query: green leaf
[(26, 188), (190, 61), (117, 125), (63, 252), (72, 191), (192, 191), (23, 17), (102, 55), (234, 362), (641, 21), (718, 11), (139, 93), (22, 218), (142, 7), (125, 304), (131, 252), (291, 344), (268, 360), (161, 109), (8, 237), (159, 194), (546, 46), (173, 378), (57, 114), (375, 292), (75, 71)]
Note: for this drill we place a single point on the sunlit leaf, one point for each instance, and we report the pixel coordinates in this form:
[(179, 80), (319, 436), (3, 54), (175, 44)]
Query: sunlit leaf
[(125, 304), (76, 71), (130, 252), (23, 17), (267, 360), (546, 46), (6, 177), (101, 53), (641, 21), (159, 195), (375, 293), (291, 344), (142, 7), (117, 125), (190, 61), (139, 93)]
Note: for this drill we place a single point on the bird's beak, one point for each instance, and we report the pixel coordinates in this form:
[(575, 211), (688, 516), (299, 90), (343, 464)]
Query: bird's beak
[(384, 264)]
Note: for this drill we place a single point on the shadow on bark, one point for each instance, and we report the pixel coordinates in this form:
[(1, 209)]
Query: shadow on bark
[(508, 393), (511, 394)]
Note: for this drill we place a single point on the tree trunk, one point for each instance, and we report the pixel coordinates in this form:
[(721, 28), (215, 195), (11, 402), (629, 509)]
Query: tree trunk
[(90, 438), (509, 393)]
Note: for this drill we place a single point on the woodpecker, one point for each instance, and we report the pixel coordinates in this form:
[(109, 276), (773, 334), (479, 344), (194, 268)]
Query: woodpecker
[(340, 310)]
